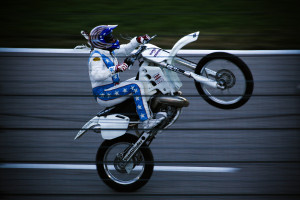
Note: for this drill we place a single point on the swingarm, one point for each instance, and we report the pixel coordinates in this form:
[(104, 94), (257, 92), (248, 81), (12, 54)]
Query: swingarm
[(142, 139)]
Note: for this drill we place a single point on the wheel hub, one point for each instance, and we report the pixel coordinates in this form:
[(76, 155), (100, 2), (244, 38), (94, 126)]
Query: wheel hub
[(119, 164), (127, 167), (225, 78)]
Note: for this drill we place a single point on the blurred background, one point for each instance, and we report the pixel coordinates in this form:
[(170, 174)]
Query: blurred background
[(45, 99), (224, 24)]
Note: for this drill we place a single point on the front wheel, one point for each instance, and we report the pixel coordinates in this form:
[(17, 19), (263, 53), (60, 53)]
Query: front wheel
[(120, 176), (230, 72)]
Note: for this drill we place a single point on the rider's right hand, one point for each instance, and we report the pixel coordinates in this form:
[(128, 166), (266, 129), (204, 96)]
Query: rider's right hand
[(142, 39)]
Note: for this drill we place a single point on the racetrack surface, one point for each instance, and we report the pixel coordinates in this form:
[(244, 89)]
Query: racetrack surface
[(46, 98)]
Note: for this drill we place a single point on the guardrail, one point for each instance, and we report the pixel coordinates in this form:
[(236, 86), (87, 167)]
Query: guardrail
[(182, 52)]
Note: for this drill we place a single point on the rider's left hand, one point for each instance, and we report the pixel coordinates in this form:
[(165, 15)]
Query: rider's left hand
[(142, 39), (122, 67), (129, 60)]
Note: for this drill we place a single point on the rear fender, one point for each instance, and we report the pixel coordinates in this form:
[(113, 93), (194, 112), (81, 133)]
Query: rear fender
[(110, 126)]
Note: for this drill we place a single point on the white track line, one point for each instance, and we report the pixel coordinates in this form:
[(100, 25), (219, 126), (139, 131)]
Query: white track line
[(93, 167), (181, 52)]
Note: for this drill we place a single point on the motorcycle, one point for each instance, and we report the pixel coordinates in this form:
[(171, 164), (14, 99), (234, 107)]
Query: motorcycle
[(124, 161)]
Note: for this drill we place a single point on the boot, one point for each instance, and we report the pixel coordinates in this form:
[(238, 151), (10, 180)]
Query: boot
[(151, 123)]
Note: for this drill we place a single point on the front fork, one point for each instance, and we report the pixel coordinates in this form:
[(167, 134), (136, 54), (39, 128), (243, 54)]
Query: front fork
[(193, 66), (196, 77)]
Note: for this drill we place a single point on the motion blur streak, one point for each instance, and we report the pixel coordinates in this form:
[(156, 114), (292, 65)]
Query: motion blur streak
[(93, 167)]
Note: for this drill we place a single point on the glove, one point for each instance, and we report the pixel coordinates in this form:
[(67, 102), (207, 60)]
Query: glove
[(129, 60), (122, 67), (142, 39)]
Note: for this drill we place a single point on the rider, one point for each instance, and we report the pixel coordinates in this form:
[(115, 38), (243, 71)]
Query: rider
[(104, 73)]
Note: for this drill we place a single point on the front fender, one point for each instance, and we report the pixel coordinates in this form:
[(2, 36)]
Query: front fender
[(181, 43), (110, 126)]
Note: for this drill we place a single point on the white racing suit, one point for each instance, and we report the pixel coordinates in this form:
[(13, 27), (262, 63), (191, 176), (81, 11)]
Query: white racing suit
[(107, 88)]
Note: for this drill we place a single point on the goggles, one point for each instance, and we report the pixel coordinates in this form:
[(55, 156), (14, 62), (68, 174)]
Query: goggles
[(109, 38)]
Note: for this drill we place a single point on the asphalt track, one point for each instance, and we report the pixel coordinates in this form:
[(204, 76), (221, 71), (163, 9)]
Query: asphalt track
[(46, 98)]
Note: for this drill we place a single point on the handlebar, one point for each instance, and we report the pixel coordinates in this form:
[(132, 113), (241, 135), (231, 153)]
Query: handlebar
[(142, 47), (150, 39)]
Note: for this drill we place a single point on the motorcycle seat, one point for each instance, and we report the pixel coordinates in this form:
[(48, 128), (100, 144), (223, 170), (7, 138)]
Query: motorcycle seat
[(126, 108)]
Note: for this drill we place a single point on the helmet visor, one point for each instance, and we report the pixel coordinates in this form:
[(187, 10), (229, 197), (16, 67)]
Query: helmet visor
[(109, 38)]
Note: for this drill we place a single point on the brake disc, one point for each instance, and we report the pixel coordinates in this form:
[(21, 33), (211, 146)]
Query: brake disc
[(126, 167), (119, 164), (225, 78)]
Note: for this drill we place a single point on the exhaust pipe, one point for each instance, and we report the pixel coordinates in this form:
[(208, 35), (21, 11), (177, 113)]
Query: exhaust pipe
[(175, 101)]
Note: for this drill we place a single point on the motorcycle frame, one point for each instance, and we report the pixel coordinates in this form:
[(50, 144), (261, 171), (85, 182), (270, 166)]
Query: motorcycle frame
[(166, 63)]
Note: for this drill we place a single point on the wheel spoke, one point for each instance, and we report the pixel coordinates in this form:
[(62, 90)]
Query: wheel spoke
[(122, 173), (231, 73), (121, 176), (226, 73)]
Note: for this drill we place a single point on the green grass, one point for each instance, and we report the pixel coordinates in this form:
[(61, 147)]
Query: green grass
[(223, 24)]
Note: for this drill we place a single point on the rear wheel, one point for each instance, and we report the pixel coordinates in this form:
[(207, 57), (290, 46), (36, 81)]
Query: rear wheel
[(230, 72), (120, 176)]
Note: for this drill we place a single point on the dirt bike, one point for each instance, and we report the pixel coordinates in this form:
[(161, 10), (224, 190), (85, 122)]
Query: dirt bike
[(124, 161)]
